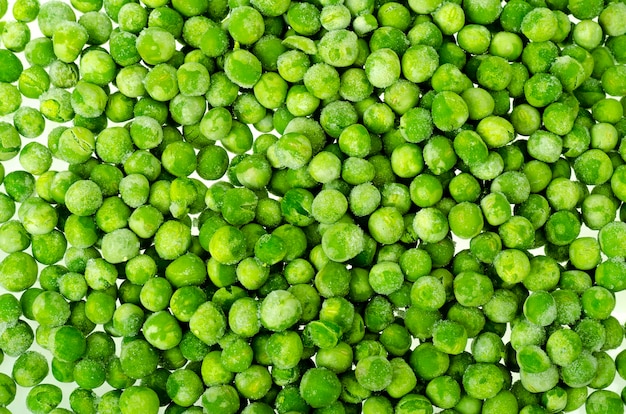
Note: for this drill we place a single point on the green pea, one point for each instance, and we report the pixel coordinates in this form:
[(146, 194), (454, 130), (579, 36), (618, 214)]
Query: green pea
[(98, 26), (139, 397), (184, 387), (465, 220), (254, 382), (382, 67), (9, 389), (12, 67), (11, 98), (342, 241), (30, 369), (429, 362), (18, 271), (162, 330)]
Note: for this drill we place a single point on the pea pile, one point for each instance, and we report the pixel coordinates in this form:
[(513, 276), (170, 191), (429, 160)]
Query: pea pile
[(324, 206)]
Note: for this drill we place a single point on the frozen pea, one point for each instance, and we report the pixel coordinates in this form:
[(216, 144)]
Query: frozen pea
[(18, 271), (539, 24), (11, 66), (587, 34), (540, 308), (88, 100), (494, 73), (601, 400), (50, 309), (581, 371), (382, 67), (542, 89), (490, 168), (424, 6), (386, 277), (519, 76), (329, 206), (39, 51), (43, 398), (246, 25), (97, 67), (123, 48), (407, 160), (545, 146), (194, 108), (292, 65), (98, 26), (480, 293), (386, 225), (449, 337), (603, 136), (242, 68), (474, 38), (495, 208), (401, 96), (470, 147), (483, 248), (495, 131), (11, 98), (591, 256), (425, 190), (507, 45), (450, 18), (68, 39), (139, 397), (75, 145), (388, 37), (128, 319), (428, 293), (37, 217), (466, 220), (33, 82), (430, 225), (608, 273), (52, 14), (120, 246), (429, 61), (378, 118), (162, 330), (449, 111), (83, 198), (293, 150), (15, 36), (155, 45), (67, 343), (562, 228), (482, 380), (161, 83), (479, 102), (364, 199), (609, 19), (280, 310), (30, 369), (416, 125), (517, 233), (342, 241), (208, 323), (374, 373), (184, 387), (172, 239), (569, 71), (337, 115)]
